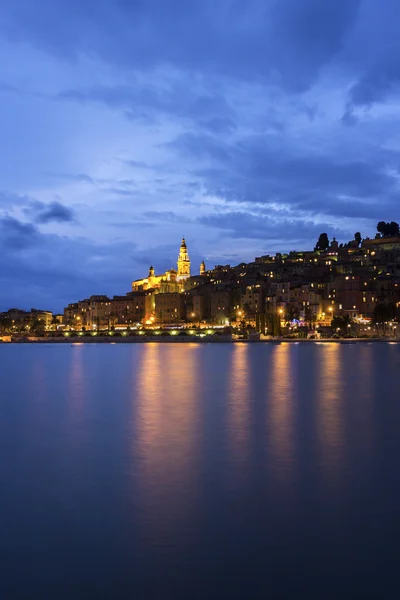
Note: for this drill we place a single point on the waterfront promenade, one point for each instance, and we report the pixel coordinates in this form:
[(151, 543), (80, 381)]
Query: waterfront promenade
[(214, 339)]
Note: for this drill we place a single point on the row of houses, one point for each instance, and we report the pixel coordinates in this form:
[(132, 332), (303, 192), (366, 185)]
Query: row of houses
[(232, 300), (342, 280)]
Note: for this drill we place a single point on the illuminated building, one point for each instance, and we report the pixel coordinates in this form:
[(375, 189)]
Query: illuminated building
[(183, 262), (170, 281), (301, 286)]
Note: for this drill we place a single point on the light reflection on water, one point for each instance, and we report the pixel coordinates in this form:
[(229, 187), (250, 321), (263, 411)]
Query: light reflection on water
[(154, 469), (280, 414), (165, 438), (238, 405), (329, 407)]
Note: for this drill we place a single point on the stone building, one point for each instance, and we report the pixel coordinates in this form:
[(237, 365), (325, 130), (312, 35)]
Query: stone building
[(169, 308)]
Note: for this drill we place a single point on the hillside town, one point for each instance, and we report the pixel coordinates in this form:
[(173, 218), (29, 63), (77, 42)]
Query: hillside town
[(336, 289)]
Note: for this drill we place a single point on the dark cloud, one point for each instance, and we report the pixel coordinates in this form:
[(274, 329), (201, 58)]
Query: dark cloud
[(49, 271), (256, 170), (43, 213), (286, 40), (17, 235), (377, 83)]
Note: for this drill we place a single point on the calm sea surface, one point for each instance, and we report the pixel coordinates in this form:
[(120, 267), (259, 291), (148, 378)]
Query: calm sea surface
[(203, 471)]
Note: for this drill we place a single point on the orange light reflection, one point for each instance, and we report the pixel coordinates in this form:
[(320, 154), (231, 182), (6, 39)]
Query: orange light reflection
[(329, 407), (280, 417), (166, 434), (238, 408)]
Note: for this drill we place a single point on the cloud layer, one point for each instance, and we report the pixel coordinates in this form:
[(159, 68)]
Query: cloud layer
[(248, 127)]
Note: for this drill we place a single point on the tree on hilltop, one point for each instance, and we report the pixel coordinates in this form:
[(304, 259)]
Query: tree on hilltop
[(391, 229), (323, 242)]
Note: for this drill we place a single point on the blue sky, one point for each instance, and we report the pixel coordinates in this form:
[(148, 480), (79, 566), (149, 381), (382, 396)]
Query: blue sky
[(249, 127)]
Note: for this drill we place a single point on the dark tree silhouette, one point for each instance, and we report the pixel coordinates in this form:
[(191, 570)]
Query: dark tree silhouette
[(381, 227), (358, 238), (384, 312), (341, 323), (309, 317), (272, 321), (391, 229), (323, 242)]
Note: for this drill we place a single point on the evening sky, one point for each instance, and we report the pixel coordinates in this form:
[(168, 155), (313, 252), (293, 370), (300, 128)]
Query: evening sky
[(247, 126)]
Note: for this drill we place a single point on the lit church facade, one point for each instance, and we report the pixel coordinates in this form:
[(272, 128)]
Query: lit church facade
[(170, 281)]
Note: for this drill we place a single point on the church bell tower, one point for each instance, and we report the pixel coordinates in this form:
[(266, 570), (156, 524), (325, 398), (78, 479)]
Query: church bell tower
[(183, 262)]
